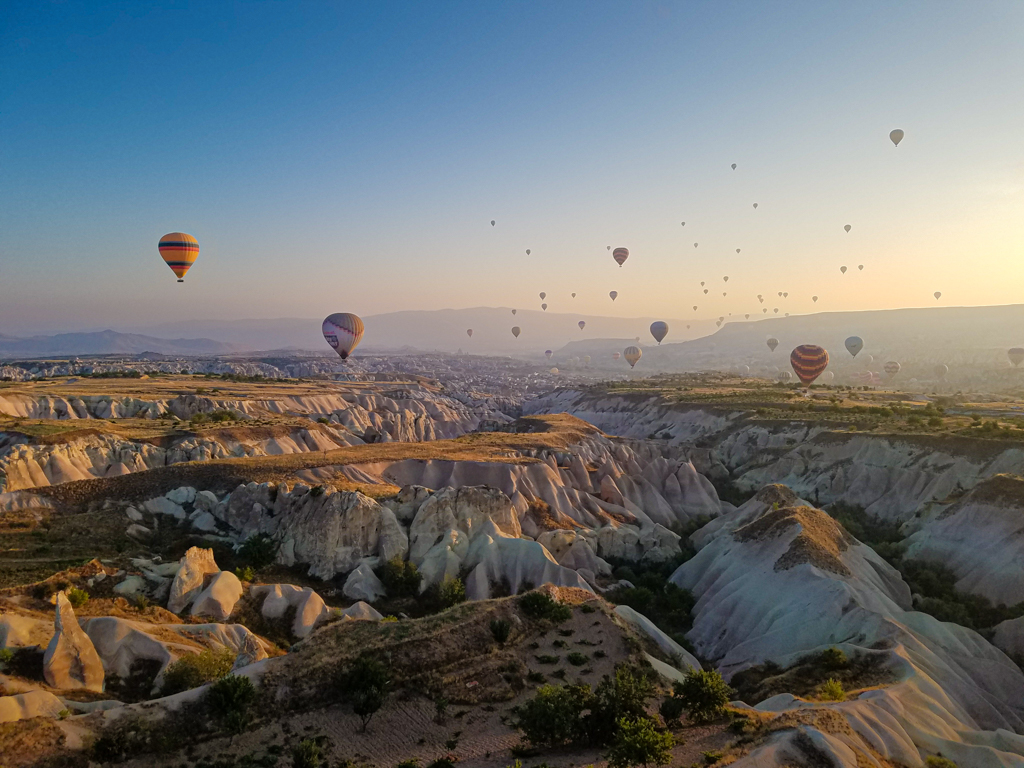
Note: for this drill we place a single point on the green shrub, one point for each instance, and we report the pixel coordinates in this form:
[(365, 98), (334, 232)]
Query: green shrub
[(308, 754), (195, 669), (546, 658), (542, 607), (935, 421), (834, 658), (258, 551), (229, 701), (623, 695), (577, 659), (245, 574), (77, 597), (938, 761), (451, 592), (317, 491), (6, 654), (711, 757), (638, 742), (500, 629), (704, 695), (671, 709), (831, 690), (400, 578), (554, 716), (367, 685)]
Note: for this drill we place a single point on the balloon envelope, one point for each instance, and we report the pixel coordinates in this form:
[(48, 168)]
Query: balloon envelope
[(896, 136), (469, 332), (515, 331), (179, 251), (1016, 356), (843, 270), (544, 307), (620, 255), (772, 342), (632, 355), (582, 324), (659, 330), (891, 368), (543, 295), (941, 370), (616, 356), (548, 353), (854, 344), (847, 227), (809, 361), (613, 294), (343, 331), (937, 295)]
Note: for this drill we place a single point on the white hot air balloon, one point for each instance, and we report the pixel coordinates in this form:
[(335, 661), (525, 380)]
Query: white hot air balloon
[(343, 331), (896, 137)]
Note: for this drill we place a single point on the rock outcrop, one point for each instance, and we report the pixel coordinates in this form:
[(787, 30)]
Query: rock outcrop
[(309, 607), (27, 705), (71, 661), (189, 580)]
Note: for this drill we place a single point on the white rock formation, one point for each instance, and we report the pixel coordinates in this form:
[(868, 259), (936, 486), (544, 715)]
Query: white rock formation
[(363, 584), (27, 705), (71, 661), (309, 607), (218, 599), (188, 582)]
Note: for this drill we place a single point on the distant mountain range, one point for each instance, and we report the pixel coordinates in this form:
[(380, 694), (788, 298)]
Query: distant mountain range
[(940, 333)]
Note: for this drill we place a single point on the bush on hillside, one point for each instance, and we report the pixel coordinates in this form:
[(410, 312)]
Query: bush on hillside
[(639, 743), (704, 695), (195, 669), (229, 701), (542, 607)]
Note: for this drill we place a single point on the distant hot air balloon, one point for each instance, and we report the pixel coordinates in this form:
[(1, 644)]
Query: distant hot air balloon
[(814, 299), (809, 361), (613, 294), (586, 359), (620, 255), (776, 310), (683, 223), (179, 251), (734, 166), (724, 293), (694, 307), (527, 251), (828, 377), (725, 279), (544, 307), (705, 291), (513, 311), (941, 370), (632, 355), (937, 295), (772, 343), (574, 295), (869, 359), (554, 371), (896, 136), (891, 368), (1016, 356), (860, 267), (746, 317), (765, 310), (785, 376), (843, 270), (492, 222), (548, 353), (609, 247), (695, 245), (582, 324), (718, 323), (785, 294), (515, 331), (854, 344), (637, 339), (469, 332), (848, 227), (760, 298), (616, 356), (343, 331), (543, 295), (737, 250), (755, 206), (659, 330)]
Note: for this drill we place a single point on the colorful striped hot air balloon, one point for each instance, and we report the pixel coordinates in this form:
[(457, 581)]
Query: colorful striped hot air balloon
[(180, 252), (343, 331), (809, 361), (632, 355), (620, 255)]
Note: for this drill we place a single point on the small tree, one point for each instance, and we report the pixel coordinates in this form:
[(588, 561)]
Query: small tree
[(229, 701), (500, 629), (623, 696), (704, 695), (452, 592), (307, 754), (367, 687), (638, 742), (553, 716)]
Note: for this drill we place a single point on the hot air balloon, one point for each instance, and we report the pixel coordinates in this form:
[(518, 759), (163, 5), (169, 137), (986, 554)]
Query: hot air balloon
[(843, 270), (734, 166), (469, 332), (776, 310), (582, 324), (343, 331), (701, 283), (848, 227), (828, 377), (548, 353), (179, 251), (616, 356), (814, 299), (659, 330), (544, 307), (574, 295), (785, 294), (772, 343), (705, 291), (854, 344), (937, 295), (492, 222), (613, 294), (683, 223), (554, 371), (869, 359), (891, 368), (809, 361), (632, 355), (527, 251), (695, 245), (765, 310), (586, 359), (694, 307), (724, 293), (1016, 356), (609, 247), (746, 317), (896, 136), (515, 331), (760, 299), (737, 250), (860, 267), (941, 370), (755, 206), (718, 323), (725, 279), (513, 311), (785, 376), (543, 295), (620, 255)]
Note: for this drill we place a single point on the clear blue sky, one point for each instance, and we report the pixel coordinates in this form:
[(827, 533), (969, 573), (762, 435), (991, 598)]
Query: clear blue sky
[(350, 157)]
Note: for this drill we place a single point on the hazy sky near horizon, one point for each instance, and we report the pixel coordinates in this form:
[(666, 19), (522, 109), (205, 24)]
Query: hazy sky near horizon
[(344, 156)]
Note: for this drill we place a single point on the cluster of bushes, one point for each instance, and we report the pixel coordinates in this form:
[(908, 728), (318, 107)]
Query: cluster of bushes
[(652, 594), (194, 669), (940, 598), (540, 606), (703, 695), (256, 552), (400, 577), (213, 417)]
